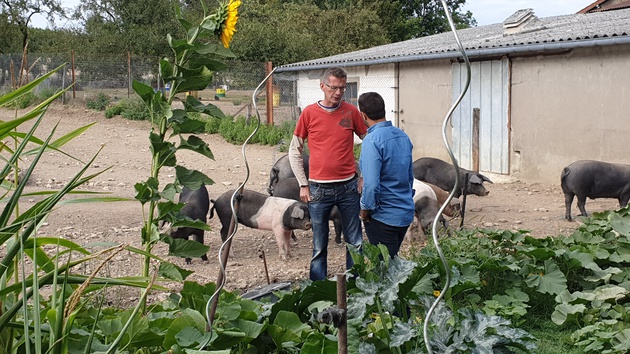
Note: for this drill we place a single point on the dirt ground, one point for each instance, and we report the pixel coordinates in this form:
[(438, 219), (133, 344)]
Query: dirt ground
[(125, 156)]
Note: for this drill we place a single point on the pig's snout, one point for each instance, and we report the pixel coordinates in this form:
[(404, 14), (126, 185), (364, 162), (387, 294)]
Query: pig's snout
[(307, 226), (486, 193)]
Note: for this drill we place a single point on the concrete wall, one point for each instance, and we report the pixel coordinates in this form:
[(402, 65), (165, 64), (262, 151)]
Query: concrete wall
[(569, 107), (425, 97)]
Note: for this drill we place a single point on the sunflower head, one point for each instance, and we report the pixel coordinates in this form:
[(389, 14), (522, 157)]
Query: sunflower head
[(228, 14)]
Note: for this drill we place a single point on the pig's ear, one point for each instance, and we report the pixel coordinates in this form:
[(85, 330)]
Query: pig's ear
[(485, 178), (297, 213), (475, 179)]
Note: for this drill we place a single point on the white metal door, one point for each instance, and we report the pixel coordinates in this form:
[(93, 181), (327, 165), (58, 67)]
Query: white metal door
[(488, 91)]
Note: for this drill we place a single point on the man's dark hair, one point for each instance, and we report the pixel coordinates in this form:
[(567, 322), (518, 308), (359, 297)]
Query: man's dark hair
[(336, 72), (372, 104)]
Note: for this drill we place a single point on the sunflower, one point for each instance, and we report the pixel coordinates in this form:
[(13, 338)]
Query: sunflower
[(229, 25)]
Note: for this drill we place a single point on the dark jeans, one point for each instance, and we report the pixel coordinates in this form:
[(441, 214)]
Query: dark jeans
[(390, 236), (324, 196)]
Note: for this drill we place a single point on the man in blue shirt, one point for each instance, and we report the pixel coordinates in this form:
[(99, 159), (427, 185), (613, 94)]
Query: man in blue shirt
[(387, 207)]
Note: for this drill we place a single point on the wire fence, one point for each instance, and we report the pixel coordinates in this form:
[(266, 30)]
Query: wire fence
[(231, 90)]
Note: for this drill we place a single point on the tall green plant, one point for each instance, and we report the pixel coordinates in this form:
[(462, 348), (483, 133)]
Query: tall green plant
[(191, 67)]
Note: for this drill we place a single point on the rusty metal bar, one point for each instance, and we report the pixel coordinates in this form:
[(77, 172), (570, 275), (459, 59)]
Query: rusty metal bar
[(269, 88)]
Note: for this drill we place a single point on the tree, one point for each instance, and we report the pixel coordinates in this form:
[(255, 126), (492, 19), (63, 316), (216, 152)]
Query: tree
[(20, 12), (427, 17), (286, 32), (118, 26), (406, 19)]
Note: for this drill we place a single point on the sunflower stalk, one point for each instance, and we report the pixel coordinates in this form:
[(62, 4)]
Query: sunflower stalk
[(191, 68)]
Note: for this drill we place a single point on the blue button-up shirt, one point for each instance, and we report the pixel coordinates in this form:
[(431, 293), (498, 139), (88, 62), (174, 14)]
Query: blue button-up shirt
[(386, 167)]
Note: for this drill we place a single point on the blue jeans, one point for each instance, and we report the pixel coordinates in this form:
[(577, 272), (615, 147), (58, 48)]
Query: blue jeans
[(390, 236), (345, 195)]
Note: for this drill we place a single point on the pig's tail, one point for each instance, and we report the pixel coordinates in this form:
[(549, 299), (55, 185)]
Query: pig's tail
[(235, 197), (447, 283)]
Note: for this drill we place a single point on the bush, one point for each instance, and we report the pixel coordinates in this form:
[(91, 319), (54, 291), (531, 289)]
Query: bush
[(237, 131), (132, 109), (112, 111), (99, 103), (45, 93), (213, 124)]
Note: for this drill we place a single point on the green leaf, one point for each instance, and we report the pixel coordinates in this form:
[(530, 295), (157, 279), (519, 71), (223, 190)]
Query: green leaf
[(565, 311), (191, 178), (193, 79), (163, 150), (187, 248), (197, 145), (194, 105), (401, 333), (550, 281), (144, 91), (292, 327), (166, 68), (190, 337), (252, 329), (188, 318), (185, 125), (213, 48), (147, 191), (318, 343), (610, 292), (172, 271), (621, 224)]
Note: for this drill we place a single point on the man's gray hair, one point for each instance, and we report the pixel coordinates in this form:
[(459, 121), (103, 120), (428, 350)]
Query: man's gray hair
[(334, 71)]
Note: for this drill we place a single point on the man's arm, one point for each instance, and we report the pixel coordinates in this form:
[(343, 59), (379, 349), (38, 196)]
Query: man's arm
[(371, 171), (297, 165)]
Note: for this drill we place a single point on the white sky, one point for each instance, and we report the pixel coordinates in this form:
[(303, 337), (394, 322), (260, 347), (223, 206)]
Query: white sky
[(485, 11)]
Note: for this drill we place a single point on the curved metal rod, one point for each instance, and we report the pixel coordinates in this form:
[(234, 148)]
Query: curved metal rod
[(447, 284), (232, 202)]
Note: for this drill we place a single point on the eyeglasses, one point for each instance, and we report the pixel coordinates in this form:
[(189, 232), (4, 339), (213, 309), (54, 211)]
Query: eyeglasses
[(335, 88)]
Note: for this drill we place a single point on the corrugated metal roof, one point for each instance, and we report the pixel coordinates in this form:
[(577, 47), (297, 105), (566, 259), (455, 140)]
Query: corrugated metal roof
[(554, 33)]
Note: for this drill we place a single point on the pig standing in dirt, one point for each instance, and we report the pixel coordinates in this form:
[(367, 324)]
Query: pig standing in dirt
[(442, 174), (258, 211), (594, 179), (196, 207), (290, 188)]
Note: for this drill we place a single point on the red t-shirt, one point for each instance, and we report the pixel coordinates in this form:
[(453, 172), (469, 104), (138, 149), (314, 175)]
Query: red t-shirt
[(330, 137)]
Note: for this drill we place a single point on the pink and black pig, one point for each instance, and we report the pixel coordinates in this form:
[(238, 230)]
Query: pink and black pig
[(290, 188), (258, 211)]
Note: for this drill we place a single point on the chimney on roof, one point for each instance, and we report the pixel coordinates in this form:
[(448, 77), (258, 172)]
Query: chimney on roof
[(522, 21)]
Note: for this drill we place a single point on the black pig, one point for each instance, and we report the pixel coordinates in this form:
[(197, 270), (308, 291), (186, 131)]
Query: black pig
[(197, 205), (594, 179), (442, 174)]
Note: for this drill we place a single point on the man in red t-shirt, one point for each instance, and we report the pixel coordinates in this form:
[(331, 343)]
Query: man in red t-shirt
[(328, 126)]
